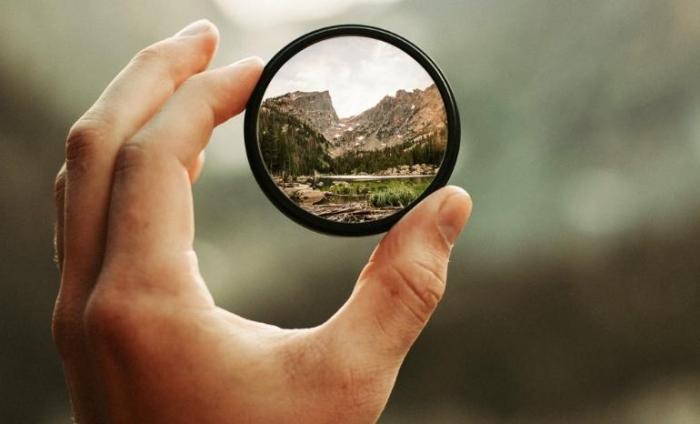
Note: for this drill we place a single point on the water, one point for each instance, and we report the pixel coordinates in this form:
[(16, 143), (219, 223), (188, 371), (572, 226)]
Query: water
[(328, 180)]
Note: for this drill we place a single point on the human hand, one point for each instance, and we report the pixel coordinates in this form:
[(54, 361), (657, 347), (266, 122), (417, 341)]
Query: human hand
[(139, 334)]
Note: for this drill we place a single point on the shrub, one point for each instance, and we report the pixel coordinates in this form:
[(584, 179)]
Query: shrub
[(398, 194)]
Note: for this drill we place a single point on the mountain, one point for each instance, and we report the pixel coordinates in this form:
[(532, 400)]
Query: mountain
[(290, 142), (300, 133), (409, 116), (315, 108)]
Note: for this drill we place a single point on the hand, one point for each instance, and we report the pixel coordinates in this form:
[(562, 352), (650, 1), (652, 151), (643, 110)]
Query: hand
[(139, 334)]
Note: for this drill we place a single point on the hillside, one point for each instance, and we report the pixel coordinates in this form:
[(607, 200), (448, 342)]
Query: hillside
[(408, 116), (289, 145), (301, 133)]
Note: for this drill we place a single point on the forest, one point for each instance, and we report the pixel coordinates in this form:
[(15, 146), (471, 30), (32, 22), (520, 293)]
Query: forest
[(429, 151), (290, 147)]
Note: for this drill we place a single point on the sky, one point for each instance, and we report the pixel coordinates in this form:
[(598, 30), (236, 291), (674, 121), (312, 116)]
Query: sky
[(357, 71), (273, 13)]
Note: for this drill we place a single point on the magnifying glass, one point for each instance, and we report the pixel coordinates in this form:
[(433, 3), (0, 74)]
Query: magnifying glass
[(349, 127)]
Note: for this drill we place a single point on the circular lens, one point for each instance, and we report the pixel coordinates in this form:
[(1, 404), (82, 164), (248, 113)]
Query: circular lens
[(351, 127)]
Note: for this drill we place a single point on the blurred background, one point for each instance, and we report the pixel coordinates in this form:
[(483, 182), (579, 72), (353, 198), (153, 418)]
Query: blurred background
[(574, 296)]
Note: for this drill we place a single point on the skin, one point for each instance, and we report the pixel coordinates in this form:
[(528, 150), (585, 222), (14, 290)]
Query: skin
[(139, 334)]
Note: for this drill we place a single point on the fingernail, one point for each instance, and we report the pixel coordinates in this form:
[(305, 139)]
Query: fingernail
[(196, 27), (453, 214), (248, 61)]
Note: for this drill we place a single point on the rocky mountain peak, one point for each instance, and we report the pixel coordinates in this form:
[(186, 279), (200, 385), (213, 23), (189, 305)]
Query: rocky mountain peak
[(406, 116), (315, 108)]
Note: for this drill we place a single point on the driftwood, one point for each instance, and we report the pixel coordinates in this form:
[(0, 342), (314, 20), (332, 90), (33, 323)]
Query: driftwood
[(347, 196), (353, 209), (354, 213)]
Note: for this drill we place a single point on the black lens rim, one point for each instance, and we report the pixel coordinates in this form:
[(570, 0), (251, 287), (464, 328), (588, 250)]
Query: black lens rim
[(287, 205)]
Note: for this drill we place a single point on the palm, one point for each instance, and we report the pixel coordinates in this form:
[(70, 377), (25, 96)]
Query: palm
[(284, 375), (188, 355)]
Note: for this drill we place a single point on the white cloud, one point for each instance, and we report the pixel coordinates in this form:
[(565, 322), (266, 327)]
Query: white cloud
[(357, 71)]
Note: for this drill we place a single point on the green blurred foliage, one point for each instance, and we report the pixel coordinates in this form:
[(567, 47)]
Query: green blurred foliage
[(574, 296)]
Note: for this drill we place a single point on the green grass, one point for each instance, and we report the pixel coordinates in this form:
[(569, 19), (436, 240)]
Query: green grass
[(389, 193), (396, 193), (351, 188)]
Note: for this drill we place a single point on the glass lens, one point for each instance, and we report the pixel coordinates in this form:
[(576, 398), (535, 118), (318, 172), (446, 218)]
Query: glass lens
[(352, 129)]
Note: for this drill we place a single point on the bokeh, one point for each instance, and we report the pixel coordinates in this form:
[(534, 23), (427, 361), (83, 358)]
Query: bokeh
[(574, 295)]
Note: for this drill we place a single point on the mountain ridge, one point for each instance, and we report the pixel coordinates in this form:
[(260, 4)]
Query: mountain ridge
[(300, 133), (405, 117)]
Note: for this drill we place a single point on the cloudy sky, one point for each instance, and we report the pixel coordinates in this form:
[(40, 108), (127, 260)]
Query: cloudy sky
[(358, 72)]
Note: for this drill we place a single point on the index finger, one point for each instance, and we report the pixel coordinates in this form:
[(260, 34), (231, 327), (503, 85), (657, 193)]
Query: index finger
[(130, 100), (151, 215)]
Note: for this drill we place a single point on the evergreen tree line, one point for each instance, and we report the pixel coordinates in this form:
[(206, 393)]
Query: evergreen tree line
[(290, 147), (429, 151)]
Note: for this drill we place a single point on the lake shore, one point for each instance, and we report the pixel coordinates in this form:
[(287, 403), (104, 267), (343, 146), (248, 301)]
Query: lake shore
[(354, 198), (361, 177)]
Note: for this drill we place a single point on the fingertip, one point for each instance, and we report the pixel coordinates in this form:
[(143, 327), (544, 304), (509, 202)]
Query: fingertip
[(453, 189), (453, 212), (458, 196), (239, 80), (205, 34), (210, 40), (252, 65), (251, 61), (198, 28)]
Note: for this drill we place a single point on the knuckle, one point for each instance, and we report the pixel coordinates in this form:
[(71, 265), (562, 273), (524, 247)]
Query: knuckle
[(81, 142), (108, 321), (173, 61), (418, 287), (131, 155), (59, 184), (155, 54), (66, 330), (160, 58)]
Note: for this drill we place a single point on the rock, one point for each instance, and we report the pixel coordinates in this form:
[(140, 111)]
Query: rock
[(309, 197), (292, 189), (315, 108)]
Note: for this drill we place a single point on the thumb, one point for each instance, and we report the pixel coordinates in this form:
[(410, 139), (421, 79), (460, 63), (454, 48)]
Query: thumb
[(405, 278)]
